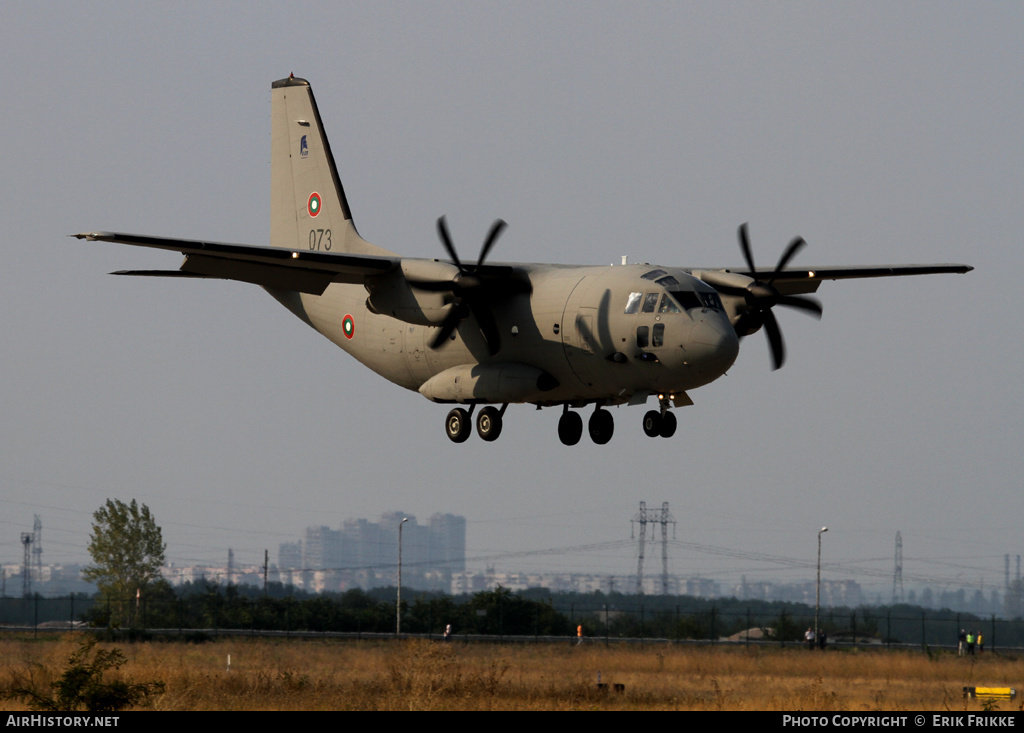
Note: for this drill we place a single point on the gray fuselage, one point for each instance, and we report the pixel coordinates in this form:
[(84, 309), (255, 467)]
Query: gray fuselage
[(574, 325)]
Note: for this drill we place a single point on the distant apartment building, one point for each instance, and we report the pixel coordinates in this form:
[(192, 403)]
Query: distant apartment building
[(833, 592), (474, 582), (364, 554)]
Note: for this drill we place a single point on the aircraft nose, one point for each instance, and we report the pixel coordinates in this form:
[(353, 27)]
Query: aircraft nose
[(714, 345)]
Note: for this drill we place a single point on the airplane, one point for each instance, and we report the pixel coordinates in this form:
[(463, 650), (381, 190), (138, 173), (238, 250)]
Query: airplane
[(487, 335)]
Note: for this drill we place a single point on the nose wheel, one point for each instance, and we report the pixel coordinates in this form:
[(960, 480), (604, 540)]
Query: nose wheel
[(659, 424)]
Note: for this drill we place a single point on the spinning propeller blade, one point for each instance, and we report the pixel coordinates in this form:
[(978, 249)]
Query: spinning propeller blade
[(470, 294), (761, 296)]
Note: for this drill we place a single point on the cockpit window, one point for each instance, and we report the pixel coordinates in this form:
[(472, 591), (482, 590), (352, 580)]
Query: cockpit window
[(668, 305), (668, 282), (711, 300), (653, 274), (687, 298), (661, 303)]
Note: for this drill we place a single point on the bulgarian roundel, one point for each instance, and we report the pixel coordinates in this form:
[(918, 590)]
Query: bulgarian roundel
[(313, 205), (348, 325)]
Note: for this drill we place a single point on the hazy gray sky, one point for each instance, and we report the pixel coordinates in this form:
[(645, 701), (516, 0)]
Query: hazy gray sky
[(881, 132)]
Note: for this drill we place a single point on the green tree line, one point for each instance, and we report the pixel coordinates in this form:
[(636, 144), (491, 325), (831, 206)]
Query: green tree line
[(535, 612), (500, 612)]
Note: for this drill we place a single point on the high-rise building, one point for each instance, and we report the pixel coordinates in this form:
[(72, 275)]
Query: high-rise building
[(362, 551)]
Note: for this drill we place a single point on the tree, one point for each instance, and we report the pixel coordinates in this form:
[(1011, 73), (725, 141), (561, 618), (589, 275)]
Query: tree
[(127, 550)]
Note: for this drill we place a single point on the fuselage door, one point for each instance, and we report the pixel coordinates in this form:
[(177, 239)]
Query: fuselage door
[(581, 336)]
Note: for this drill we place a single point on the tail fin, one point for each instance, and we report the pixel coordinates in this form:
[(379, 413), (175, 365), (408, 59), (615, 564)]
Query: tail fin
[(308, 208)]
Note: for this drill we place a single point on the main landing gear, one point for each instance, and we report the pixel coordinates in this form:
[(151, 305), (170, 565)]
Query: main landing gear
[(488, 423), (600, 427)]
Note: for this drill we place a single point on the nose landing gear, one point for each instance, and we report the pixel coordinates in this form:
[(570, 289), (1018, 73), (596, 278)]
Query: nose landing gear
[(660, 422)]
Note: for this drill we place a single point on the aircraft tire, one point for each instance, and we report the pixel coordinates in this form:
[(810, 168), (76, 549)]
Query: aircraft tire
[(457, 425), (488, 423), (668, 425), (601, 426), (570, 428), (652, 423)]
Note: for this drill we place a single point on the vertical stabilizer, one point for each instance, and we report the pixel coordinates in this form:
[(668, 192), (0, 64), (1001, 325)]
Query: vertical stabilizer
[(308, 208)]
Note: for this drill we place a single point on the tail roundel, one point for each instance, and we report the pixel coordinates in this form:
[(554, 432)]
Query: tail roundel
[(308, 208)]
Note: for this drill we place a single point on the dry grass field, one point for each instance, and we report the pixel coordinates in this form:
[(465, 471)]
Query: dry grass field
[(423, 675)]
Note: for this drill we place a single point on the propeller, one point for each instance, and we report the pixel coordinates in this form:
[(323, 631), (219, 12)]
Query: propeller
[(470, 295), (761, 296)]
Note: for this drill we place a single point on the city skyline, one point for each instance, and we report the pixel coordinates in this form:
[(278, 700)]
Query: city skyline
[(363, 554)]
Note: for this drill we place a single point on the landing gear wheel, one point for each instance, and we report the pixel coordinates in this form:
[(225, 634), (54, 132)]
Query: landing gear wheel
[(652, 424), (488, 423), (570, 428), (601, 426), (668, 425), (457, 425)]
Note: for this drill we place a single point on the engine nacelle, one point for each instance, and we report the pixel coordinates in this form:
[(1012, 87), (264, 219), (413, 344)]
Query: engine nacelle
[(729, 284), (392, 294)]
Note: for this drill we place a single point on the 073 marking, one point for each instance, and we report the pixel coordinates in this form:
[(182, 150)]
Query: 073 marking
[(320, 239)]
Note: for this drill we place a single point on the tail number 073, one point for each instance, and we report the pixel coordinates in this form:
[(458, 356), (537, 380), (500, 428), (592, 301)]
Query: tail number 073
[(320, 239)]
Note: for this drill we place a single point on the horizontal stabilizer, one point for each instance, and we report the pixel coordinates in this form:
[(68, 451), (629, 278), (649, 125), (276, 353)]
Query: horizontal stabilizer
[(272, 267), (158, 273)]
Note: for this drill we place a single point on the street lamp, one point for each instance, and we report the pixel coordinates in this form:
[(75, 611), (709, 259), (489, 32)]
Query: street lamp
[(398, 603), (817, 592)]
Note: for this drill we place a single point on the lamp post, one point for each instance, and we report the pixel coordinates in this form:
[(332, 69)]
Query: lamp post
[(398, 603), (817, 592)]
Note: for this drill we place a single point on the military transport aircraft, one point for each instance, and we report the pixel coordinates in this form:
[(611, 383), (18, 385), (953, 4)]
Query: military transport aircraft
[(479, 334)]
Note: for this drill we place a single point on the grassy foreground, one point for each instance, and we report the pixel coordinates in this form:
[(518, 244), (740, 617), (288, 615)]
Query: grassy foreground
[(422, 675)]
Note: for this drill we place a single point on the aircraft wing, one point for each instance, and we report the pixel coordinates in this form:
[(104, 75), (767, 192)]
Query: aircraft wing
[(274, 267), (799, 281)]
